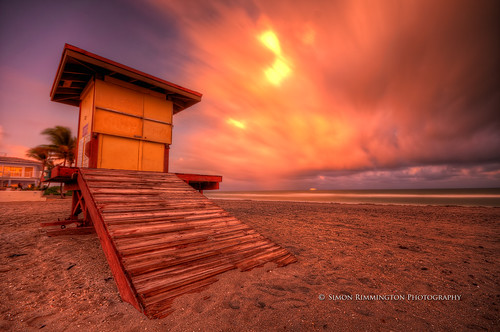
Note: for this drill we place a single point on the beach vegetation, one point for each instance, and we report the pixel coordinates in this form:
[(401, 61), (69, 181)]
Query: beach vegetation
[(62, 144), (51, 191), (60, 151), (41, 154)]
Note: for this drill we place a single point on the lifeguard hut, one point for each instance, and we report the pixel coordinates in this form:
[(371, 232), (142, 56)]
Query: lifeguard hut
[(125, 119), (162, 238)]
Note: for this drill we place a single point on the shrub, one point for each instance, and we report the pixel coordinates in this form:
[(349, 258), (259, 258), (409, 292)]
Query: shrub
[(51, 191)]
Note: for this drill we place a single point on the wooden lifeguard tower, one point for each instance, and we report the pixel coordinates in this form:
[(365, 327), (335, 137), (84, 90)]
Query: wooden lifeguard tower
[(162, 238)]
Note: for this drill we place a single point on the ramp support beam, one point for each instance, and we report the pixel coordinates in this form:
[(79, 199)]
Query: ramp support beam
[(125, 287)]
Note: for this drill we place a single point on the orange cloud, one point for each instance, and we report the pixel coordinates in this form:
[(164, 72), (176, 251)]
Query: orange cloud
[(335, 86)]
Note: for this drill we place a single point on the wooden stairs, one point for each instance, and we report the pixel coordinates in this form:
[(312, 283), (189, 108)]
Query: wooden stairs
[(162, 238)]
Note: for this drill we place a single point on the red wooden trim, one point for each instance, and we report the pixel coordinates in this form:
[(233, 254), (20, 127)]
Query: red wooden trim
[(62, 174), (64, 171), (199, 177), (75, 202), (166, 158), (122, 280), (78, 134), (119, 65), (94, 150), (71, 231), (70, 186), (210, 186), (59, 72), (201, 182)]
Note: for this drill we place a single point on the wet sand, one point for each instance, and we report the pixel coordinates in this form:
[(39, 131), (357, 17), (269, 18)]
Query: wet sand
[(379, 267)]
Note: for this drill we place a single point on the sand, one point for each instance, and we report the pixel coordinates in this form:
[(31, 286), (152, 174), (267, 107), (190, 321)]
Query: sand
[(346, 253)]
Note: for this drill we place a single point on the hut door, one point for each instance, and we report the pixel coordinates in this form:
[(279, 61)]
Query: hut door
[(125, 153), (118, 152)]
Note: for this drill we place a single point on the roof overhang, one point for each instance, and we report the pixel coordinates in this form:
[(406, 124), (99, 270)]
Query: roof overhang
[(15, 160), (78, 67)]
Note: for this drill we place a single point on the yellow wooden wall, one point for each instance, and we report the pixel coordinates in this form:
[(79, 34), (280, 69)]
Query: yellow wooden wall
[(133, 126)]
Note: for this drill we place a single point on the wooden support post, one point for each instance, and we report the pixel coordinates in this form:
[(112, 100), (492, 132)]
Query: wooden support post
[(71, 231), (166, 158), (125, 287), (93, 151), (79, 206), (75, 205)]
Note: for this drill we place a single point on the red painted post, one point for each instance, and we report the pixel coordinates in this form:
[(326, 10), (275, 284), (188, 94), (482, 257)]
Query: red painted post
[(93, 153), (74, 205), (122, 279), (166, 158)]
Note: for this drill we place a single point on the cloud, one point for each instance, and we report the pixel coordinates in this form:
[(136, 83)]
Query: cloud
[(338, 86), (430, 176)]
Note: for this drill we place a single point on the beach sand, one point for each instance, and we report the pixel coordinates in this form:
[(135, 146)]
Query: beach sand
[(345, 252)]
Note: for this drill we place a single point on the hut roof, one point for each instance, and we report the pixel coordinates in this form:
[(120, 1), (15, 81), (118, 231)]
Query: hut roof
[(77, 67)]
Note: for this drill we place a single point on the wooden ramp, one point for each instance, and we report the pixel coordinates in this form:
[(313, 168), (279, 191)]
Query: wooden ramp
[(163, 239)]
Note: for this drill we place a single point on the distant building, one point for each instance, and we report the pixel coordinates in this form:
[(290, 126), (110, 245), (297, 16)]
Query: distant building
[(18, 170)]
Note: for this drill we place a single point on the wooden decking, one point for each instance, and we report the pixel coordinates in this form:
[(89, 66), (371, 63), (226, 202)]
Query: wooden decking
[(163, 239)]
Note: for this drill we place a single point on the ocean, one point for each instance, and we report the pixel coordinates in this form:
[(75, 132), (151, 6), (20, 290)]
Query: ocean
[(443, 197)]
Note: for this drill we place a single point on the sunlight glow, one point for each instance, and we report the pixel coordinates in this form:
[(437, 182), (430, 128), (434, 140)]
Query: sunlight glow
[(270, 40), (236, 123), (280, 68), (309, 36), (277, 72)]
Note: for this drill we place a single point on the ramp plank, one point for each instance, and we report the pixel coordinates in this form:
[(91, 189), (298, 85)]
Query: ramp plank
[(164, 239)]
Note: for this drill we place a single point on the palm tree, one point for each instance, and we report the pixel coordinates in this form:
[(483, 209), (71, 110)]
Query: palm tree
[(42, 154), (63, 143)]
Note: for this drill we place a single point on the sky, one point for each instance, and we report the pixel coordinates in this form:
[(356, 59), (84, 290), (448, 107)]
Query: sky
[(297, 94)]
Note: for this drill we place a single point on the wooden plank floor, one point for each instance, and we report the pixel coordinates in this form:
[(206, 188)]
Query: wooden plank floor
[(169, 238)]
